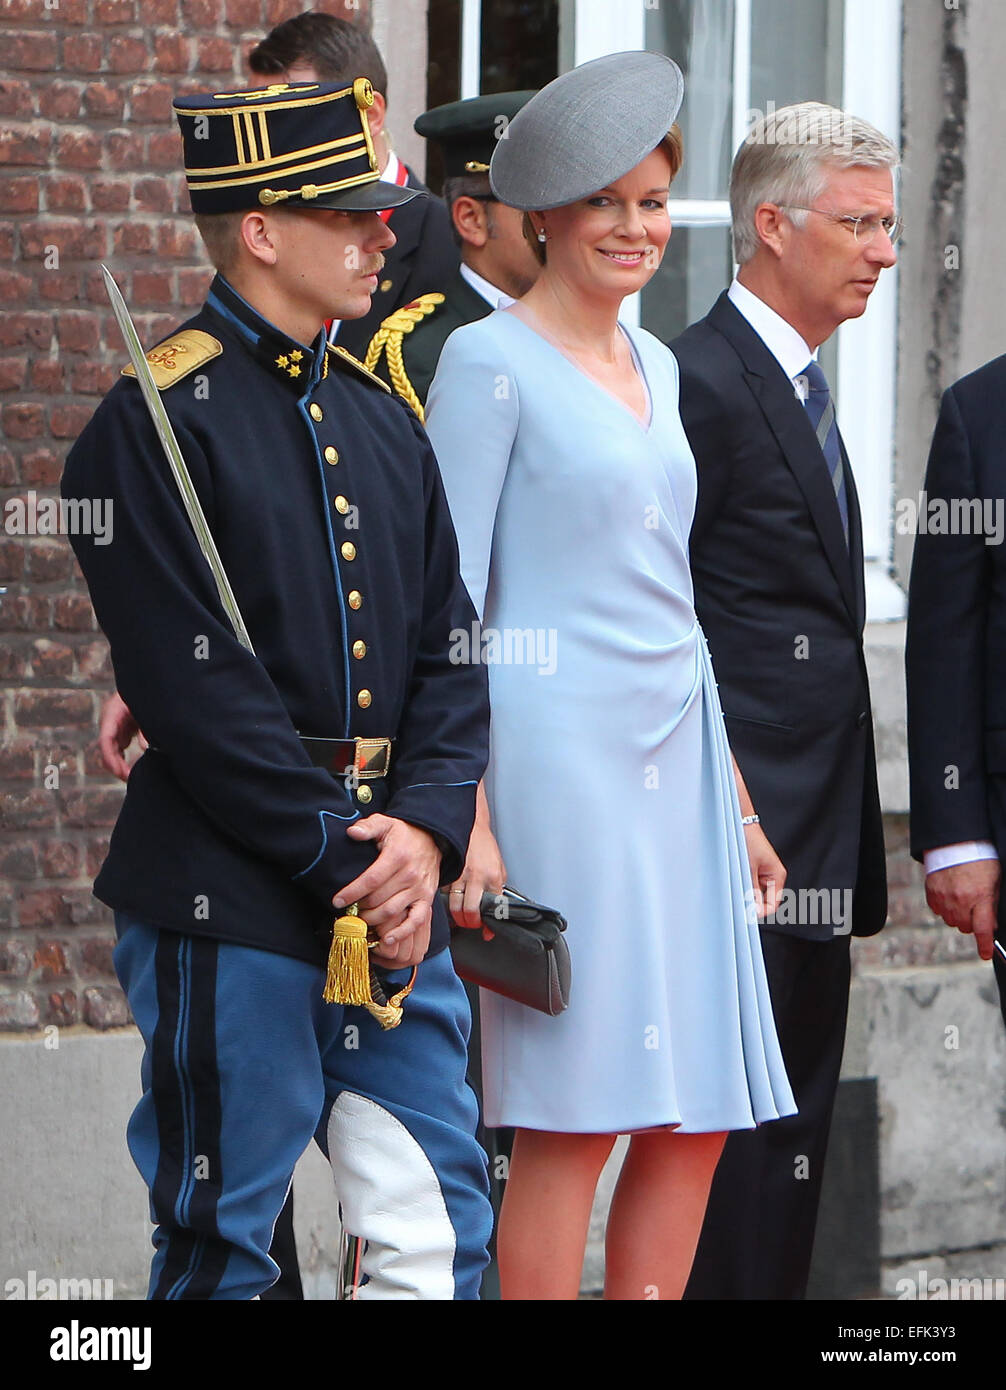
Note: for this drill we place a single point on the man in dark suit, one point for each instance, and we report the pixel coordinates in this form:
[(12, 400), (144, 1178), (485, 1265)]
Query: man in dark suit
[(497, 262), (956, 665), (777, 560), (319, 47)]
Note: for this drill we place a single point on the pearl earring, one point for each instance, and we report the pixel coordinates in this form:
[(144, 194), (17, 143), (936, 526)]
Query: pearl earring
[(542, 235)]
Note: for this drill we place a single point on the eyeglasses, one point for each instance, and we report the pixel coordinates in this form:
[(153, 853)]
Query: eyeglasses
[(864, 229)]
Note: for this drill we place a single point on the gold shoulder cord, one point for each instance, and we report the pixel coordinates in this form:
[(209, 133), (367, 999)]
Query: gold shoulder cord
[(388, 339)]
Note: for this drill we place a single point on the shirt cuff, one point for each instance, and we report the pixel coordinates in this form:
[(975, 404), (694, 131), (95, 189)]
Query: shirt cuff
[(967, 852)]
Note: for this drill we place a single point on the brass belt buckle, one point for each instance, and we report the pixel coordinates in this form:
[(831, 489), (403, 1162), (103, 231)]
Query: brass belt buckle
[(372, 758)]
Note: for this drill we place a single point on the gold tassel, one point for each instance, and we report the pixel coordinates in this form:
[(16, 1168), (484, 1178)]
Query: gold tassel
[(348, 980), (389, 1015)]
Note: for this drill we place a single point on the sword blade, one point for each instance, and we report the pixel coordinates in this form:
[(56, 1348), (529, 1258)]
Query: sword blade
[(176, 461)]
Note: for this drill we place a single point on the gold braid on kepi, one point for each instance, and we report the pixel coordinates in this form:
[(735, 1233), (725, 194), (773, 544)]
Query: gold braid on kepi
[(388, 339)]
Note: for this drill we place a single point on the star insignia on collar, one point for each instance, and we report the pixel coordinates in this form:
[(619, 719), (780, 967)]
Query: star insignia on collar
[(294, 371), (282, 361), (296, 356)]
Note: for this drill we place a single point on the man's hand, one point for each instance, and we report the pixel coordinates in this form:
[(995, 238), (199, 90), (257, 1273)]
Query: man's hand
[(395, 894), (768, 873), (116, 732), (966, 896)]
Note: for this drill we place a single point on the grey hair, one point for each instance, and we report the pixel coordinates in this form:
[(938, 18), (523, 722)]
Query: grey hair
[(785, 159)]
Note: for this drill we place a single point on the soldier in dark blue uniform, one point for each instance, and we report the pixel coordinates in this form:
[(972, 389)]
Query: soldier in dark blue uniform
[(243, 832)]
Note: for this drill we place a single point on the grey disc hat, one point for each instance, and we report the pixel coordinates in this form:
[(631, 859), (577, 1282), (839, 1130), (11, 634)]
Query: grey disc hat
[(586, 129)]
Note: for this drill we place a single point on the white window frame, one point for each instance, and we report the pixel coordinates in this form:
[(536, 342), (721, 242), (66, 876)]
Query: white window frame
[(867, 347)]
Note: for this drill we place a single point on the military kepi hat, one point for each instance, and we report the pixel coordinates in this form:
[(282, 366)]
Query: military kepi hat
[(467, 131), (305, 144), (586, 129)]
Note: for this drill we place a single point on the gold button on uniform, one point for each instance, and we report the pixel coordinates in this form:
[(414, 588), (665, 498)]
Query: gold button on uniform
[(331, 455), (355, 599), (364, 698), (348, 550), (364, 794), (359, 649), (385, 285), (317, 414), (341, 505)]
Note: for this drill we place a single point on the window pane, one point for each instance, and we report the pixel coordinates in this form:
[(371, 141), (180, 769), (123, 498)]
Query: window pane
[(699, 36), (520, 44), (697, 265), (796, 52)]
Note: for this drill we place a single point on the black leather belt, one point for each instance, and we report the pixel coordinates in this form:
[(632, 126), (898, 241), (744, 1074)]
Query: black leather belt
[(365, 758)]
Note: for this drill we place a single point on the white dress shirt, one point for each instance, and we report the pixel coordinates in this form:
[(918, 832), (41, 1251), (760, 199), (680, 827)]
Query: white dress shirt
[(780, 337), (495, 298), (793, 354)]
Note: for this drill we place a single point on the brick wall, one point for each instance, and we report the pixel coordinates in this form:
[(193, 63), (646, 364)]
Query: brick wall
[(90, 172)]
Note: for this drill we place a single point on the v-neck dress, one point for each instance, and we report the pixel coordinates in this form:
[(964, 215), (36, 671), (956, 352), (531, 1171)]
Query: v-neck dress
[(610, 783)]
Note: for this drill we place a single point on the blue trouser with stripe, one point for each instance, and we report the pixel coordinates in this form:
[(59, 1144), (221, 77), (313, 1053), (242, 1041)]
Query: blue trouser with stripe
[(245, 1063)]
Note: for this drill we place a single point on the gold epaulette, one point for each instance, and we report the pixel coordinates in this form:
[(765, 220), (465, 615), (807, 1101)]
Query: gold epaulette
[(178, 355), (388, 339), (347, 358)]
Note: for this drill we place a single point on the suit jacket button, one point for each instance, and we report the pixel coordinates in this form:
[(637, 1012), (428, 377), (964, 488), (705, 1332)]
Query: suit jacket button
[(385, 285), (364, 794), (317, 414)]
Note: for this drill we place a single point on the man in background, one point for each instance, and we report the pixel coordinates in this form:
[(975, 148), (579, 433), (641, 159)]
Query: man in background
[(497, 262), (321, 48), (777, 562), (955, 655)]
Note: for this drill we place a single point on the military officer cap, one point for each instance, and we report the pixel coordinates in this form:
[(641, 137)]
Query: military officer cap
[(305, 144), (585, 129), (467, 131)]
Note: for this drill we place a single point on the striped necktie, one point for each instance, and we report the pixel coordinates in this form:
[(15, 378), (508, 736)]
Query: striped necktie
[(821, 411)]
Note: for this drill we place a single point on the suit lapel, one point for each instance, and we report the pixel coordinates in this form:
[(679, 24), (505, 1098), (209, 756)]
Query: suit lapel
[(788, 421)]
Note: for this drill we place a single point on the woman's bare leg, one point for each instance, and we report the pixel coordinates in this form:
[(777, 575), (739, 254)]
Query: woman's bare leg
[(656, 1213), (546, 1213)]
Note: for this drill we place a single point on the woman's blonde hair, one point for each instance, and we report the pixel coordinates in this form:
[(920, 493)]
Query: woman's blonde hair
[(672, 144)]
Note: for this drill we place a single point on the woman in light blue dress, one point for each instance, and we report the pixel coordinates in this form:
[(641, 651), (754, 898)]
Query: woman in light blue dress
[(610, 787)]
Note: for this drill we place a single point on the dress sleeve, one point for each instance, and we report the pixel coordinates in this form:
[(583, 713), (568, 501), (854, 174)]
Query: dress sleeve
[(471, 417)]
